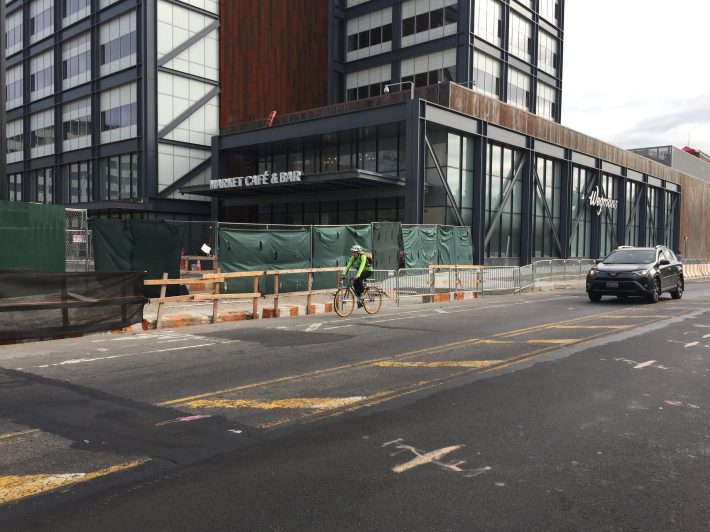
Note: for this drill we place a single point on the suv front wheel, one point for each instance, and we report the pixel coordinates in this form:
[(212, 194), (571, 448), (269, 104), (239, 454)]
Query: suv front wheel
[(678, 292), (656, 293)]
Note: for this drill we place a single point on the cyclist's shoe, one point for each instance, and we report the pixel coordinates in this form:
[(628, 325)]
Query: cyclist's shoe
[(359, 302)]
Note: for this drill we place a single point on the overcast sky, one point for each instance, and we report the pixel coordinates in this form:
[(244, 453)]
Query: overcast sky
[(636, 72)]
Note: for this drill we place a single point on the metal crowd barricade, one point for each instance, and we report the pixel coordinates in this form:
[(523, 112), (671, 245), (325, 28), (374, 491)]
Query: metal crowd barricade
[(385, 280), (526, 276), (414, 282), (501, 279)]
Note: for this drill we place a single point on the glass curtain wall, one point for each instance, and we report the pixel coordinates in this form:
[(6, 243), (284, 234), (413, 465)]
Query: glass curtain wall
[(377, 149), (547, 207), (503, 202), (608, 217), (670, 209), (454, 154), (582, 215), (633, 213), (652, 198)]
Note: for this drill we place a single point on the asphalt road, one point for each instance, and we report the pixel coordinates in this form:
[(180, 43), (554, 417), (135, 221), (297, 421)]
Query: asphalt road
[(534, 412)]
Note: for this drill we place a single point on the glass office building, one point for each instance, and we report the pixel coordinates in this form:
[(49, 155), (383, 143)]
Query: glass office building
[(111, 104)]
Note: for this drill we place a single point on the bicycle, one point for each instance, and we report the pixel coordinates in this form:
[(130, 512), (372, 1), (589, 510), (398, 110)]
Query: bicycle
[(345, 298)]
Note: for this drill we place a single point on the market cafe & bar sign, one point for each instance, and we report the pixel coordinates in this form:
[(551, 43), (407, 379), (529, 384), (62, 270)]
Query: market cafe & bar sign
[(595, 200), (257, 180)]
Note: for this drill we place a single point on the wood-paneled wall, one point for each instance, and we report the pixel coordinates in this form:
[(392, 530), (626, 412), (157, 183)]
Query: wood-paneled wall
[(274, 56)]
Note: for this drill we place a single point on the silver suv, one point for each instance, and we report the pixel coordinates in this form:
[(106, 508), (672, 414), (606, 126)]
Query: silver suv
[(633, 271)]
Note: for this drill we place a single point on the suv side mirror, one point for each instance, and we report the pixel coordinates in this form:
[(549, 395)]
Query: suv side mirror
[(597, 261), (665, 262)]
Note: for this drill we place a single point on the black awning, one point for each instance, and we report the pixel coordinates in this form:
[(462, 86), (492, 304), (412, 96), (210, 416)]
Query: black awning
[(323, 182)]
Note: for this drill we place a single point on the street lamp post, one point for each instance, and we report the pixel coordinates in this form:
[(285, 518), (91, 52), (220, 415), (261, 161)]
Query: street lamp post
[(685, 251), (411, 89)]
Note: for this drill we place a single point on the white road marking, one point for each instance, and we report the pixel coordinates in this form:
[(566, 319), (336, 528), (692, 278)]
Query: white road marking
[(338, 327), (440, 311), (641, 365), (98, 359), (432, 457), (691, 344), (314, 327)]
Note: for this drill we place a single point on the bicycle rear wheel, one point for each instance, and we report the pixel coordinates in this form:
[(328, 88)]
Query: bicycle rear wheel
[(372, 300), (344, 302)]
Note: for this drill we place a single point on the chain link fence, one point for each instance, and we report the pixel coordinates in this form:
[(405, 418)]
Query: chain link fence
[(79, 255)]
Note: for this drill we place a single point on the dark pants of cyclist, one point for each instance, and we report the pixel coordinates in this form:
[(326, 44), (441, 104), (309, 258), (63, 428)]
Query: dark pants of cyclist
[(359, 283)]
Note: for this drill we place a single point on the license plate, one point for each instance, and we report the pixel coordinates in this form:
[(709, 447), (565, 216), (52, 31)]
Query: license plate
[(612, 284)]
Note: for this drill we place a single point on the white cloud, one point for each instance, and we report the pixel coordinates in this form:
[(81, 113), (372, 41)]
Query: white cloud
[(634, 73)]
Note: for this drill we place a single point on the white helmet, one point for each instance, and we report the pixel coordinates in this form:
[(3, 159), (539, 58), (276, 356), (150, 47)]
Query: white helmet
[(357, 248)]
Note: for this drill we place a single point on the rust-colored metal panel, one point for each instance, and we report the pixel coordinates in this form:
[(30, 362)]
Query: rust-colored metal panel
[(273, 57)]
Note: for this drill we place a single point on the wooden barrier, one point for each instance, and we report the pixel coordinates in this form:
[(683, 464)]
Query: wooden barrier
[(217, 278)]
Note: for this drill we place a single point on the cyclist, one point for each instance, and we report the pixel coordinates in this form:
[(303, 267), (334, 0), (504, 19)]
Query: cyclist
[(363, 260)]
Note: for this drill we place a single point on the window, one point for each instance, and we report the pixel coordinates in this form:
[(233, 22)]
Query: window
[(367, 83), (633, 213), (42, 133), (486, 74), (520, 37), (41, 185), (13, 87), (608, 217), (546, 101), (550, 11), (15, 141), (15, 186), (76, 61), (119, 113), (487, 21), (581, 235), (73, 10), (546, 208), (518, 89), (13, 32), (76, 180), (41, 19), (76, 124), (424, 20), (373, 30), (118, 177), (118, 44), (547, 53), (42, 75), (429, 69), (503, 202)]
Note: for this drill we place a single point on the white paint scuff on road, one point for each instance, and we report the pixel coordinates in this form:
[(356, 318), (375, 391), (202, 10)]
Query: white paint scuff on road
[(432, 457), (642, 365), (314, 327)]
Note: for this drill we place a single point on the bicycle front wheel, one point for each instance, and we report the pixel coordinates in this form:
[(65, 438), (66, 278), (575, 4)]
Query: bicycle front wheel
[(344, 302), (372, 300)]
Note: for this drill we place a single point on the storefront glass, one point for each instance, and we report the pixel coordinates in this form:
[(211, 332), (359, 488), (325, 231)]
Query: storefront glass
[(503, 202), (547, 206), (608, 217), (581, 231), (633, 213)]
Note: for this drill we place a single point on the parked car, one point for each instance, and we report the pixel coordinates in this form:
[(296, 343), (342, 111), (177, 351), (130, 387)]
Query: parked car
[(636, 271)]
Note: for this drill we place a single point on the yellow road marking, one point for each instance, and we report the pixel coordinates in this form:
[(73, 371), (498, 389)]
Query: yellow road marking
[(320, 372), (14, 487), (554, 341), (316, 403), (440, 364), (381, 397), (547, 325), (20, 433), (589, 326), (636, 317)]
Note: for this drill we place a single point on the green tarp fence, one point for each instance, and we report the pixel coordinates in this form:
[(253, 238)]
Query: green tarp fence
[(32, 237), (420, 246), (455, 246), (386, 245), (151, 246), (250, 250), (425, 245), (331, 247)]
